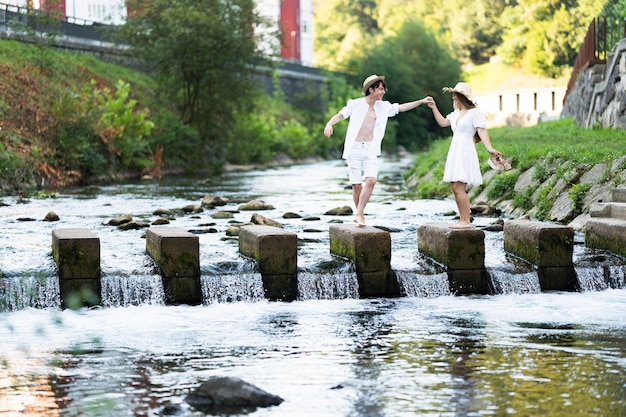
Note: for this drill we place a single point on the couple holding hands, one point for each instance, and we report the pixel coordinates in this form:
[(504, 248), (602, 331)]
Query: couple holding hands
[(368, 120)]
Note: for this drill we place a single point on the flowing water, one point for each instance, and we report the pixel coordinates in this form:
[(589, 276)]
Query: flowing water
[(517, 352)]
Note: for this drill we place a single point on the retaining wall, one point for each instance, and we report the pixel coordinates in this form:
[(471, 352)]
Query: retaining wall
[(599, 94)]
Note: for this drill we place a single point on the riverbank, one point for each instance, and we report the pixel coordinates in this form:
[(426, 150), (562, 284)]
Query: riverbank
[(559, 170), (70, 119)]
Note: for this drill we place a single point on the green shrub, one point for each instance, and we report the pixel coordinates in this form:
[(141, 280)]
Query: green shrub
[(577, 193), (181, 144), (524, 200), (543, 203), (253, 139), (296, 139), (15, 170), (74, 139), (122, 125), (501, 185)]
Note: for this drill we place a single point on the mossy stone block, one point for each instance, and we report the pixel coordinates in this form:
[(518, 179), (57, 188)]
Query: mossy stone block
[(76, 253), (457, 249), (540, 243), (275, 250), (368, 248), (175, 251)]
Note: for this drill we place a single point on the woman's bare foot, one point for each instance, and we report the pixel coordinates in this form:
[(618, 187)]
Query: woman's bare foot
[(359, 219), (461, 225)]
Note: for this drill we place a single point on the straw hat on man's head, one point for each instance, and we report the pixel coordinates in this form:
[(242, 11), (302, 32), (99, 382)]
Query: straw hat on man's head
[(460, 88), (369, 81)]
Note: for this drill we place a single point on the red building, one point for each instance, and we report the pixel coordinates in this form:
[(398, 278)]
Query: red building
[(290, 25), (49, 5)]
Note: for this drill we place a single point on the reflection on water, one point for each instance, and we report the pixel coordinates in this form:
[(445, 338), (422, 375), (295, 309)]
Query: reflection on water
[(520, 352), (556, 354)]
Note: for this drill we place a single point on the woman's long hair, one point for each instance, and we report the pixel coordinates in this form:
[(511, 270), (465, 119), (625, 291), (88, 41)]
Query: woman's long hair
[(468, 104)]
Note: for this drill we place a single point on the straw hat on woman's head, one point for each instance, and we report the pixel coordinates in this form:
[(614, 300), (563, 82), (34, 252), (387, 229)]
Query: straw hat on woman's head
[(460, 88), (369, 81)]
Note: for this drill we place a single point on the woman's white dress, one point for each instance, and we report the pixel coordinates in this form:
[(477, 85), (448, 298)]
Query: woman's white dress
[(462, 164)]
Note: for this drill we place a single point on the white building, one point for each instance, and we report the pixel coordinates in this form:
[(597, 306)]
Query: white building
[(112, 12), (523, 107)]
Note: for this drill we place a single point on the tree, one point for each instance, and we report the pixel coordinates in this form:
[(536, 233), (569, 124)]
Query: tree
[(346, 28), (342, 29), (204, 54), (543, 36)]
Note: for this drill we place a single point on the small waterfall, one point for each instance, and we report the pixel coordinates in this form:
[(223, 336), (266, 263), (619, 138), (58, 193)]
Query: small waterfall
[(123, 291), (514, 282), (414, 284), (230, 288), (18, 293), (617, 276), (599, 278), (327, 285), (599, 270), (591, 278)]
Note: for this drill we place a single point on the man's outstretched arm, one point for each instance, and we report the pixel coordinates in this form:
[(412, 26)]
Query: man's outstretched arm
[(411, 105)]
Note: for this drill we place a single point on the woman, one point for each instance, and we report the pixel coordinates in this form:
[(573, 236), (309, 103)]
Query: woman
[(462, 165)]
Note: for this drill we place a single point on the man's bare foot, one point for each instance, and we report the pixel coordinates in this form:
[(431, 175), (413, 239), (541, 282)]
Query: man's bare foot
[(360, 220), (461, 225)]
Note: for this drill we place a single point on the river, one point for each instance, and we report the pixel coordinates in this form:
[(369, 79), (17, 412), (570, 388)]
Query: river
[(518, 352)]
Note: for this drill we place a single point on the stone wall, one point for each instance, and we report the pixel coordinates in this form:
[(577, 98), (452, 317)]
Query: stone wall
[(599, 94), (557, 191)]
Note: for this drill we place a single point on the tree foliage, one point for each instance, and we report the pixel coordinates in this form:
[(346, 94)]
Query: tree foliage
[(543, 36), (540, 36), (203, 53)]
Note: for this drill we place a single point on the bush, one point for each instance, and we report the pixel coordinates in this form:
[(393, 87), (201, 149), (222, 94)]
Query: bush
[(180, 142), (253, 139), (15, 170), (297, 140), (577, 193), (501, 185)]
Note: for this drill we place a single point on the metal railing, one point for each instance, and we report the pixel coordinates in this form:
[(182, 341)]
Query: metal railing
[(13, 17), (602, 36)]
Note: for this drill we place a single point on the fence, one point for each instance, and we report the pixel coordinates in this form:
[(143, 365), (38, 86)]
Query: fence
[(602, 36), (23, 19)]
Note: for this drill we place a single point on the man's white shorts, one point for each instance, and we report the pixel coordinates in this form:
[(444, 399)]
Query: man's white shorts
[(361, 164)]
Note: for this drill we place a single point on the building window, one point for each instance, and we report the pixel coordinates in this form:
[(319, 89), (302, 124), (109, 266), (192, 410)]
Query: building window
[(517, 103), (535, 101), (553, 101), (500, 102)]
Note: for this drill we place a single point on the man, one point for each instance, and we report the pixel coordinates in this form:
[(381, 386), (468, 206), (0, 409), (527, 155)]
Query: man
[(368, 120)]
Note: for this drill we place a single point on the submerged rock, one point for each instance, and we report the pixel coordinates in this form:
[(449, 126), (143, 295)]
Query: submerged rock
[(214, 201), (230, 394), (262, 220), (51, 217), (256, 205), (124, 218), (340, 211)]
